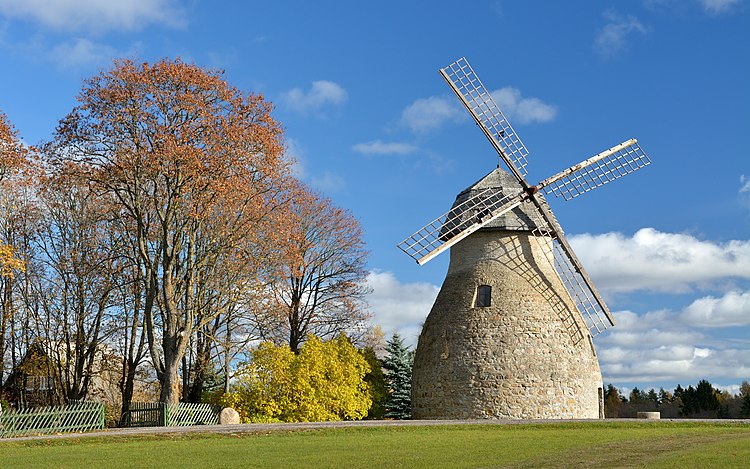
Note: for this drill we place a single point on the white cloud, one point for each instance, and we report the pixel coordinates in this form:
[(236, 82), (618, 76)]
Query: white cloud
[(656, 261), (80, 52), (684, 363), (95, 15), (653, 336), (630, 321), (322, 93), (378, 147), (613, 37), (400, 307), (733, 389), (732, 309), (717, 7), (520, 109), (426, 114), (663, 345)]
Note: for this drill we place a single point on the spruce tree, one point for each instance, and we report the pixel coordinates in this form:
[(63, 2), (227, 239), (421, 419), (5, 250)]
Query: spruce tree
[(398, 364), (745, 408)]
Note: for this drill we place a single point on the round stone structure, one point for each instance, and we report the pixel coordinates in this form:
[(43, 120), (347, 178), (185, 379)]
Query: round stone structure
[(504, 340)]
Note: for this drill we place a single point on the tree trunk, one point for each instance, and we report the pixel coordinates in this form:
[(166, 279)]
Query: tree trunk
[(196, 388), (126, 389), (170, 380), (201, 366), (5, 312)]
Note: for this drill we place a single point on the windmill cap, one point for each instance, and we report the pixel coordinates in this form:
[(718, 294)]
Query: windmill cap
[(521, 218)]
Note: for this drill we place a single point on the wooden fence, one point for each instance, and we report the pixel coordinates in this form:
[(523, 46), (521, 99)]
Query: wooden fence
[(158, 414), (75, 417), (146, 414)]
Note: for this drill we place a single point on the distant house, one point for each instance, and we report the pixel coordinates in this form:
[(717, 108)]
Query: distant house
[(32, 382), (39, 378)]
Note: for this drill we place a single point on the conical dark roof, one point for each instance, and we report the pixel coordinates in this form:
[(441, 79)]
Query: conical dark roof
[(521, 218)]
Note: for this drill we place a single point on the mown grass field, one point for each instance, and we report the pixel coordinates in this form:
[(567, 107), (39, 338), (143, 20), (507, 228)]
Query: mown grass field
[(591, 444)]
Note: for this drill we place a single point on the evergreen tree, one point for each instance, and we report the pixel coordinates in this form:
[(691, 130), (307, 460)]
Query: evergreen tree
[(706, 396), (398, 365), (637, 396), (744, 400), (698, 399), (376, 381), (745, 409), (665, 397)]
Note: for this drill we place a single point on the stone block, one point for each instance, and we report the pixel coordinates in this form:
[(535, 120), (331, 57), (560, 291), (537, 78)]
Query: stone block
[(229, 416)]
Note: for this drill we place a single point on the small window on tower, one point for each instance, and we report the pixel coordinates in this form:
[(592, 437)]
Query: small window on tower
[(484, 295)]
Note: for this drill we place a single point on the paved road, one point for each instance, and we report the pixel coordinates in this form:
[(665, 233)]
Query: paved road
[(276, 427)]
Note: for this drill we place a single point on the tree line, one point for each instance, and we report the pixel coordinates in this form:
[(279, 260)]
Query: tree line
[(160, 232), (699, 401)]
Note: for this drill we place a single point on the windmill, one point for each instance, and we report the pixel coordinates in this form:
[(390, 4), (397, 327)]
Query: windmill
[(510, 333)]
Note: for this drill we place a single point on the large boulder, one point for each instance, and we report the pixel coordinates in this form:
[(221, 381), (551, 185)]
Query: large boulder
[(229, 416)]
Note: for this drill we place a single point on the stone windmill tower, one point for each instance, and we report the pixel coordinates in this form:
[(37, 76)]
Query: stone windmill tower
[(510, 333)]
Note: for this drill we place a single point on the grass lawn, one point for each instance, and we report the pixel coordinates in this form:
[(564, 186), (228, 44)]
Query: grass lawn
[(591, 444)]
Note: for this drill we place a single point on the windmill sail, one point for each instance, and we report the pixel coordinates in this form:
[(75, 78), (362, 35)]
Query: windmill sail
[(596, 171), (458, 223), (478, 101), (581, 289), (485, 206)]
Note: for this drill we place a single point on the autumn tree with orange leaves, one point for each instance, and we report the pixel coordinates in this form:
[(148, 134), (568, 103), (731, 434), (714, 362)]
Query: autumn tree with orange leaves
[(194, 166)]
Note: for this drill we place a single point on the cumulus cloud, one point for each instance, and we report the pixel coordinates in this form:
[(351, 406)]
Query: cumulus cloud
[(732, 309), (378, 147), (523, 110), (321, 94), (613, 37), (656, 261), (653, 336), (717, 7), (630, 321), (95, 15), (399, 307), (673, 363), (426, 114), (680, 345)]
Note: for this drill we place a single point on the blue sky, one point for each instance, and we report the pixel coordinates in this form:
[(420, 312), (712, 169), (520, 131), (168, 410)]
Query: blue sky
[(372, 125)]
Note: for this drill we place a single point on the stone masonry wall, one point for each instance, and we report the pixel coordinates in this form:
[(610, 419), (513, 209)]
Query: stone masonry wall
[(528, 355)]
